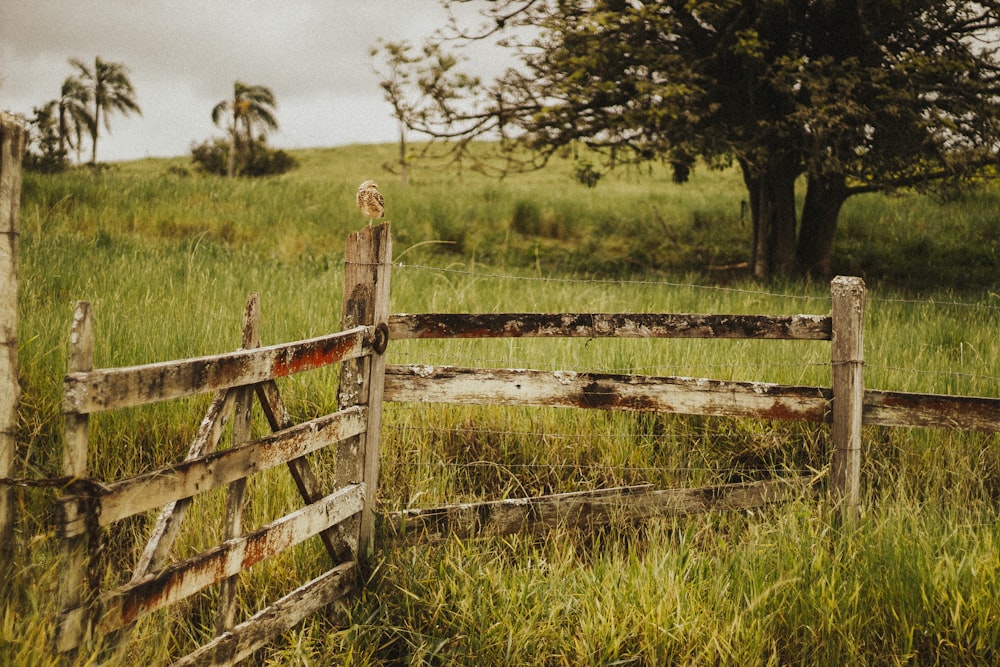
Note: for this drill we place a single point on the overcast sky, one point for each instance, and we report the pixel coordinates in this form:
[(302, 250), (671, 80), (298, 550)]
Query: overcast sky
[(184, 55)]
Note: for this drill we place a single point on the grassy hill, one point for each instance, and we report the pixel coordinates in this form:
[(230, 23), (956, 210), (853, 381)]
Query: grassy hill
[(167, 257)]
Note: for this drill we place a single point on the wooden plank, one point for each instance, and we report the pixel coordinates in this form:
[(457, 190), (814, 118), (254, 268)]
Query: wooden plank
[(447, 384), (112, 388), (617, 325), (73, 589), (267, 624), (12, 140), (132, 601), (236, 492), (847, 359), (379, 253), (368, 260), (893, 408), (157, 488), (582, 509)]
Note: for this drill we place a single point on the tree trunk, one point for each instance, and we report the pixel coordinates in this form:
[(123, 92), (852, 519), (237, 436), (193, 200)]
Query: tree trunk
[(825, 196), (231, 161), (403, 164), (771, 186), (93, 134)]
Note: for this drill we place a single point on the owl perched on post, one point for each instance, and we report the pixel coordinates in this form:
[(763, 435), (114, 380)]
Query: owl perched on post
[(370, 201)]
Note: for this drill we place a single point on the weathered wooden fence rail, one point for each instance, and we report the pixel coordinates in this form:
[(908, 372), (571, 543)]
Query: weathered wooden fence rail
[(337, 516)]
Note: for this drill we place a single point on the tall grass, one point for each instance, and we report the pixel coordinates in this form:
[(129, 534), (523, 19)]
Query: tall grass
[(167, 261)]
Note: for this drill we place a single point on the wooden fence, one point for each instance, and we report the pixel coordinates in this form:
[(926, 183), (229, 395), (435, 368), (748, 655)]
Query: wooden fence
[(343, 515), (846, 405), (841, 405)]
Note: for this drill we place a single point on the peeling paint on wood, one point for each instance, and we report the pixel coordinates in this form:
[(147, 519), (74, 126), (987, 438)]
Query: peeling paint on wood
[(204, 473), (893, 408), (133, 601), (619, 325), (111, 388), (446, 384)]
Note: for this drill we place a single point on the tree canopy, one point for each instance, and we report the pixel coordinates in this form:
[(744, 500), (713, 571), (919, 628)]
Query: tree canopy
[(854, 95)]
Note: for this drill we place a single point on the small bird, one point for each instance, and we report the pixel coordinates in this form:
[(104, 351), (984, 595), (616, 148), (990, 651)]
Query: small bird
[(370, 201)]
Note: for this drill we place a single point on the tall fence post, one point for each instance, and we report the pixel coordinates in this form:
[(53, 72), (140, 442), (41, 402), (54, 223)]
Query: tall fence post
[(74, 590), (12, 138), (847, 358), (368, 260)]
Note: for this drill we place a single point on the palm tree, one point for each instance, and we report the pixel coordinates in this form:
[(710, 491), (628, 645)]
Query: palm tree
[(251, 108), (110, 90), (73, 114)]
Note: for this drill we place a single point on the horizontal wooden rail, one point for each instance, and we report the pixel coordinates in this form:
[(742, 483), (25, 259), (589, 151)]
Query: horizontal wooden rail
[(619, 325), (198, 475), (583, 508), (479, 386), (447, 384), (135, 600), (267, 624), (894, 408), (112, 388)]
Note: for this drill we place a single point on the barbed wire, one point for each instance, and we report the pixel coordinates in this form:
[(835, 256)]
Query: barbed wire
[(683, 436), (648, 470), (956, 374), (681, 285), (609, 281), (78, 486), (937, 302), (548, 365)]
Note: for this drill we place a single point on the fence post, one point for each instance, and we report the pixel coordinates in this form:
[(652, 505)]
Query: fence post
[(847, 358), (73, 581), (236, 493), (368, 259), (12, 138)]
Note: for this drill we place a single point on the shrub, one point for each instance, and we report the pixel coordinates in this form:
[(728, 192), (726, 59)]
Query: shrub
[(212, 156)]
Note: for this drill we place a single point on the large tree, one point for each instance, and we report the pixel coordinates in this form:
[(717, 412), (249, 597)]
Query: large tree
[(109, 90), (854, 95), (250, 110)]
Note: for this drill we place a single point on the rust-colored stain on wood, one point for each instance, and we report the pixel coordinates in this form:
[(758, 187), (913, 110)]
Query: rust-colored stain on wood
[(932, 410), (328, 351), (599, 395)]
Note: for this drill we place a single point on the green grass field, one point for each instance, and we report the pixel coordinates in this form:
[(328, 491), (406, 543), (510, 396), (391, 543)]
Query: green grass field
[(167, 258)]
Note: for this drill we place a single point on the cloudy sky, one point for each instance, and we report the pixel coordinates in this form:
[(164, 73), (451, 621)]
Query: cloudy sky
[(184, 55)]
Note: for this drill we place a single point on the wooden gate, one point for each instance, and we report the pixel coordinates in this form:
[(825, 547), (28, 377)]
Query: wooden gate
[(342, 517)]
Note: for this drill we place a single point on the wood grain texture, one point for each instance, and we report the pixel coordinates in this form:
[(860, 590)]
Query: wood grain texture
[(112, 388), (617, 325), (448, 384), (583, 509)]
